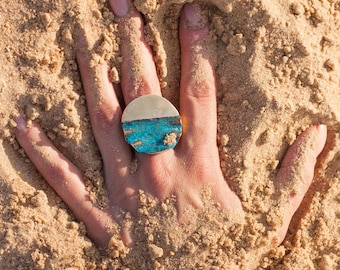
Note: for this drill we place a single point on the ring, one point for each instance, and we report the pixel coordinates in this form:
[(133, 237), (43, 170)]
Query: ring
[(151, 124)]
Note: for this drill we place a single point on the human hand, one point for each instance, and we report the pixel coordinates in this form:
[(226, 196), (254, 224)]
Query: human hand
[(182, 172)]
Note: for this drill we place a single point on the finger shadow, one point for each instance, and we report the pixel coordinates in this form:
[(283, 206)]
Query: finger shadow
[(7, 214), (54, 94)]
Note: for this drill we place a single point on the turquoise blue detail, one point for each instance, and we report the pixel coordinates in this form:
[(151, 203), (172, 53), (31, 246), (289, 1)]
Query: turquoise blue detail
[(147, 135)]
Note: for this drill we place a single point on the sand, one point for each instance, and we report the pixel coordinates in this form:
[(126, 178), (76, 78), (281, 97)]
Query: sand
[(278, 72)]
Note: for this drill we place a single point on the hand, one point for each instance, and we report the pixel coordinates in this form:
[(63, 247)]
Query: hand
[(182, 172)]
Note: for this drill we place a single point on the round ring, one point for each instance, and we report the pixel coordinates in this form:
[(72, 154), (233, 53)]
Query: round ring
[(151, 124)]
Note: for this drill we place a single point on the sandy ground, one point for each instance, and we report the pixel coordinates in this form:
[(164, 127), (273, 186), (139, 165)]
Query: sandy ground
[(278, 72)]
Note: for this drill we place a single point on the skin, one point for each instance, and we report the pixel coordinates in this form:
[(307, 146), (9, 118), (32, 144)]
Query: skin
[(195, 159)]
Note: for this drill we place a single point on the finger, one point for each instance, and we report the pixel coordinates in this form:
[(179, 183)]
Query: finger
[(198, 90), (64, 178), (138, 74), (297, 171), (105, 114)]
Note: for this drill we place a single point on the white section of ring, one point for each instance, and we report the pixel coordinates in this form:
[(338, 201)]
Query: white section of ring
[(148, 107)]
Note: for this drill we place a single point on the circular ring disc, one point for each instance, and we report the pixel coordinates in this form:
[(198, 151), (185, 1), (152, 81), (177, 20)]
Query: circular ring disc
[(151, 124)]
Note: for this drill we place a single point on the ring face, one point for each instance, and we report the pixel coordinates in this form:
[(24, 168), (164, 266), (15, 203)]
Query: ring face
[(151, 124)]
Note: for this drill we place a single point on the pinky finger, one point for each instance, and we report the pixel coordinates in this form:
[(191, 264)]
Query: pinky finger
[(63, 177), (297, 171)]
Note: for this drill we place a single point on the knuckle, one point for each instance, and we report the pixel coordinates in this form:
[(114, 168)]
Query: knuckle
[(59, 173), (202, 90), (105, 116)]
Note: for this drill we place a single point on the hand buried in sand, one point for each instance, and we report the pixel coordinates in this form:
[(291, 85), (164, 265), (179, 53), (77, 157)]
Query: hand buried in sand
[(182, 172)]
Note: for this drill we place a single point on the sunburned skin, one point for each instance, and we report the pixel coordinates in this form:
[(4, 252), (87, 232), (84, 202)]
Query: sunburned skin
[(182, 172)]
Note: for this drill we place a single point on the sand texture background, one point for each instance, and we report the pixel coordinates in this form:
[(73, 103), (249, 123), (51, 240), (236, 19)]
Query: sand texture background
[(278, 72)]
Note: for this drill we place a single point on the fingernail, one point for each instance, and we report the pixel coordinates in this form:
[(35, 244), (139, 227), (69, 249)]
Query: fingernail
[(322, 128), (21, 123), (193, 16), (120, 7), (81, 39), (319, 138)]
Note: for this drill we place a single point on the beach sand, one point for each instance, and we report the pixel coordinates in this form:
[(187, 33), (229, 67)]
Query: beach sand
[(278, 72)]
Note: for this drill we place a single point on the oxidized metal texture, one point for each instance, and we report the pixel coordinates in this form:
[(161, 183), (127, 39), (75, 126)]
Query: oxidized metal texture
[(151, 124)]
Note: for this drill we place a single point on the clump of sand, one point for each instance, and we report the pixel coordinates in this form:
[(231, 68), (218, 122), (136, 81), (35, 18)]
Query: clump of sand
[(278, 72)]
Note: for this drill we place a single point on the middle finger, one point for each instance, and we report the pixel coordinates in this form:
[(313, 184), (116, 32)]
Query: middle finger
[(138, 71)]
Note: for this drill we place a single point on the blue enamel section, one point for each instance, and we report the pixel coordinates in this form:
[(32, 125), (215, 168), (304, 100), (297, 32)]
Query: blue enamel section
[(147, 136)]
